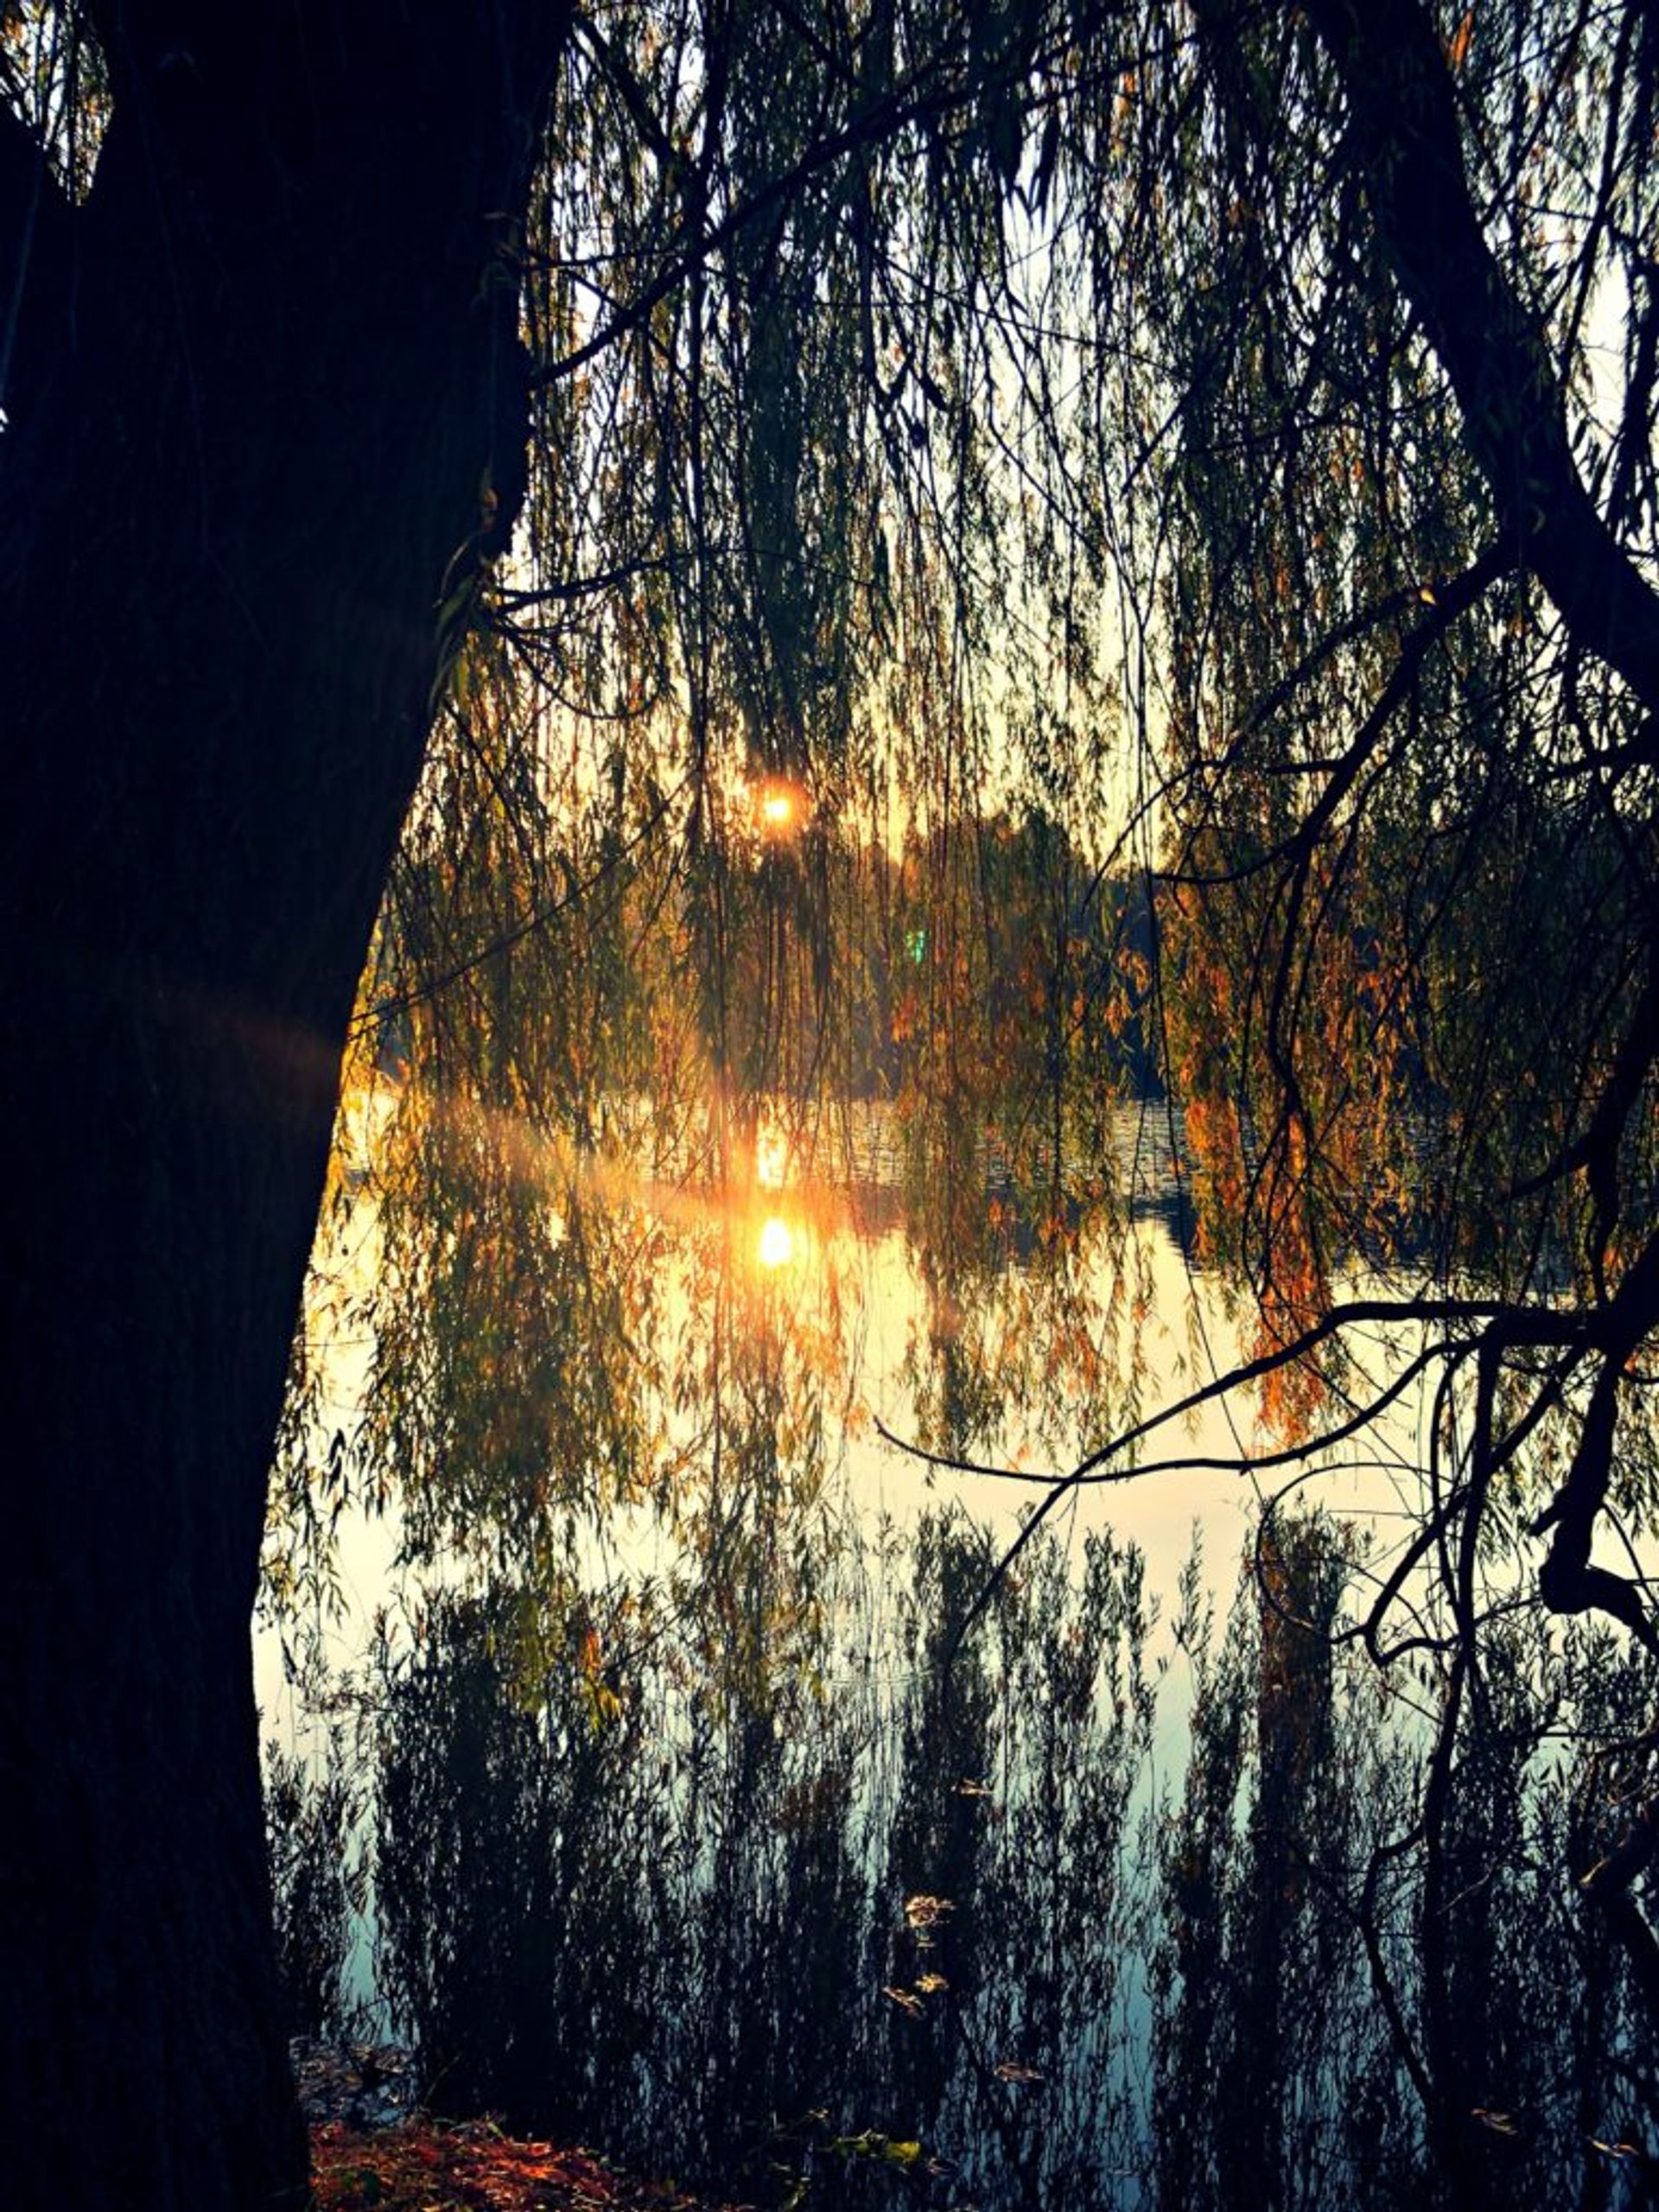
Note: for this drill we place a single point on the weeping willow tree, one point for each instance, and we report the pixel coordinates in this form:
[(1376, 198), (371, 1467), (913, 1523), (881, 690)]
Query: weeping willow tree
[(1409, 922), (1223, 434), (762, 825)]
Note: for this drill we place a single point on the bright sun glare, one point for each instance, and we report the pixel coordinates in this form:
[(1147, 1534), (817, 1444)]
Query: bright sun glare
[(780, 807), (777, 1243)]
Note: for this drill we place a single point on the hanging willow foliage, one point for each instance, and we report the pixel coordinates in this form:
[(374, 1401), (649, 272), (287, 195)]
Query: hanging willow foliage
[(1062, 546)]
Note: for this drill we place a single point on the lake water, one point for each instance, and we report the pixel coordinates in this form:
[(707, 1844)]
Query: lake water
[(793, 1852)]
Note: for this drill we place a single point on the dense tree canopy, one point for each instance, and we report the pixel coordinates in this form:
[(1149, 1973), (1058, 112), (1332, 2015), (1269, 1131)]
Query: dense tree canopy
[(949, 554)]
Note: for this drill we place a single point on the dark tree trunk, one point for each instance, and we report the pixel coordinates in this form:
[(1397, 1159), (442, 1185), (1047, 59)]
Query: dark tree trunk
[(259, 380)]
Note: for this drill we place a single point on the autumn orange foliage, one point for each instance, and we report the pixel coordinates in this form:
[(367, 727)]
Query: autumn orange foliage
[(426, 2166)]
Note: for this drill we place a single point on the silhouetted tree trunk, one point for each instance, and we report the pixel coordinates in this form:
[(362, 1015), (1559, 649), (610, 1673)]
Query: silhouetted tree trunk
[(259, 380)]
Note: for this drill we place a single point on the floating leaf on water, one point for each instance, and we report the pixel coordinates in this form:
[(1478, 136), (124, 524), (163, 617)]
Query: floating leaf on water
[(870, 2144), (924, 1911)]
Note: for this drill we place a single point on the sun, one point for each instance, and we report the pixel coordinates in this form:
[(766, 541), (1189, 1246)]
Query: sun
[(781, 807)]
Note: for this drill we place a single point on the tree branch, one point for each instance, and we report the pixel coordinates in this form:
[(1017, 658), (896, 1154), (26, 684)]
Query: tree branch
[(1400, 94), (34, 218)]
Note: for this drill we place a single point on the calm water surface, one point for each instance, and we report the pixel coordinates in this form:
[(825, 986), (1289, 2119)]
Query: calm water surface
[(800, 1855)]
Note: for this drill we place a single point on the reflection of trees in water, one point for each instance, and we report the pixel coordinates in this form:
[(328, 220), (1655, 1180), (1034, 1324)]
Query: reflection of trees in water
[(1367, 1990), (753, 1937)]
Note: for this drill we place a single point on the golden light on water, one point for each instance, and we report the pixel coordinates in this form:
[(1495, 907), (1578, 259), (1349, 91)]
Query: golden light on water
[(777, 1245)]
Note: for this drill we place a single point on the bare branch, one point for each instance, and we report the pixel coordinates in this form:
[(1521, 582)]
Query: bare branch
[(1401, 96)]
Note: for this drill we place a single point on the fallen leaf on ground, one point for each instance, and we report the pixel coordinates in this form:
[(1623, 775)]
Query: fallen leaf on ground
[(423, 2166)]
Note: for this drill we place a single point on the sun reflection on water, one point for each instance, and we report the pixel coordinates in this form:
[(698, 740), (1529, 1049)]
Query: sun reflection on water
[(777, 1245)]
